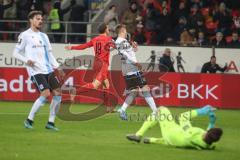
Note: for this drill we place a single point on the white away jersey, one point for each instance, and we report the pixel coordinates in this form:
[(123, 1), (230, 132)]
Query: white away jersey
[(35, 46), (128, 56)]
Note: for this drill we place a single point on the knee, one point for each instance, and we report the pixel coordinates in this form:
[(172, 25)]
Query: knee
[(57, 98), (133, 94), (57, 92), (46, 93), (146, 94)]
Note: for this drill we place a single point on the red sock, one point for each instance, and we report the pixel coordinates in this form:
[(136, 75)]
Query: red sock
[(105, 97)]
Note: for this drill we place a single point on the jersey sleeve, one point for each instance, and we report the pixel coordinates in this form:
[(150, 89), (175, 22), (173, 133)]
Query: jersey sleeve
[(52, 59), (20, 48), (83, 46)]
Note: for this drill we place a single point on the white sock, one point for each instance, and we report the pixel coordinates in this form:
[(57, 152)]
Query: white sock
[(36, 106), (54, 106), (128, 101), (151, 103)]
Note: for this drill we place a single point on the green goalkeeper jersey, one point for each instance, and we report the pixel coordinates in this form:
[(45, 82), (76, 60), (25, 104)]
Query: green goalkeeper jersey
[(191, 137)]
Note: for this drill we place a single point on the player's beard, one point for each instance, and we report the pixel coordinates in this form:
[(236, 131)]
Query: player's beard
[(39, 27)]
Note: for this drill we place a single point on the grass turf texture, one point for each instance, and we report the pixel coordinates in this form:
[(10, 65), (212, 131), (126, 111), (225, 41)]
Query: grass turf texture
[(102, 138)]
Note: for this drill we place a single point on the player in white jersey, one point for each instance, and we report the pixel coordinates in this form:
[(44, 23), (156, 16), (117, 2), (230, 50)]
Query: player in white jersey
[(34, 49), (131, 69)]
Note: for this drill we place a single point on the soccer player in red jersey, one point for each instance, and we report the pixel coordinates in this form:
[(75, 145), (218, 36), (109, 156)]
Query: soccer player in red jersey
[(101, 44)]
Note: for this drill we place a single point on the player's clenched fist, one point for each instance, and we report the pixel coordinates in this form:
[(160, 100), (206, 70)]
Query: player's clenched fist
[(30, 63)]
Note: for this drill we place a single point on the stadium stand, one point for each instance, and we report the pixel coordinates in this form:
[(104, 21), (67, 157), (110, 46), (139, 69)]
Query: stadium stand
[(150, 22)]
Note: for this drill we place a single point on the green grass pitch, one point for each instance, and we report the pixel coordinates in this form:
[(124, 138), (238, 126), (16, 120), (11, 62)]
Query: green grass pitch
[(102, 138)]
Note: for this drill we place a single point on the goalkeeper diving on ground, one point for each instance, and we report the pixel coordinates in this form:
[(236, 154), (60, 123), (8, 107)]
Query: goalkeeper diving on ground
[(181, 134)]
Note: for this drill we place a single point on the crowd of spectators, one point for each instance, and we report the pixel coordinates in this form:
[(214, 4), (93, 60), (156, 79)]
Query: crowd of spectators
[(150, 22), (53, 12), (184, 22)]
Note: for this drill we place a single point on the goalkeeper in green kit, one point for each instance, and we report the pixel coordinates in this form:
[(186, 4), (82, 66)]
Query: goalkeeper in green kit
[(181, 134)]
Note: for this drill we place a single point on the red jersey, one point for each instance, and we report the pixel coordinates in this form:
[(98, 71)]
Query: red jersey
[(101, 46)]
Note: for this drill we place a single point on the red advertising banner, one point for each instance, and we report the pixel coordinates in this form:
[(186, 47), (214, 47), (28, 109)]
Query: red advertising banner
[(168, 89)]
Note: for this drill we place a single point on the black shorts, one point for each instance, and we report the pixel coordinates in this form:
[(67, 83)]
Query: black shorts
[(46, 81), (134, 81)]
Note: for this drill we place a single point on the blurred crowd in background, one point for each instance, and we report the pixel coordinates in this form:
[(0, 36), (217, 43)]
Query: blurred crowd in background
[(149, 22), (184, 22)]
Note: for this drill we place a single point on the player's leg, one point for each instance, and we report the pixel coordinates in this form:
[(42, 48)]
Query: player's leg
[(166, 120), (131, 92), (93, 85), (54, 83), (152, 140), (185, 118), (128, 101), (101, 70), (106, 85), (150, 122), (145, 90), (41, 84)]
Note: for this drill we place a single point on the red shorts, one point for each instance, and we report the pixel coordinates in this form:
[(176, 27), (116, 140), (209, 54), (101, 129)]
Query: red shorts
[(100, 71)]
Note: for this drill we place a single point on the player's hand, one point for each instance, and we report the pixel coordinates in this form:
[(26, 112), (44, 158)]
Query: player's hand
[(61, 74), (134, 44), (68, 47), (30, 63)]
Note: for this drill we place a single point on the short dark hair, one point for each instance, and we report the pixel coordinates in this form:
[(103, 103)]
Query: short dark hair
[(112, 6), (119, 28), (213, 57), (34, 13), (102, 28), (213, 135)]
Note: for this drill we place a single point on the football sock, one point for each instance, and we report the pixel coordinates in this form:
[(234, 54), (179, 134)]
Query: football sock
[(212, 120), (128, 101), (186, 117), (54, 106), (36, 106), (149, 99), (204, 110), (149, 123), (105, 97), (157, 140), (151, 103)]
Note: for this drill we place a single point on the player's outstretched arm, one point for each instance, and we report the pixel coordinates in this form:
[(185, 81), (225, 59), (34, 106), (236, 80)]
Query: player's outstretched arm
[(80, 47)]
